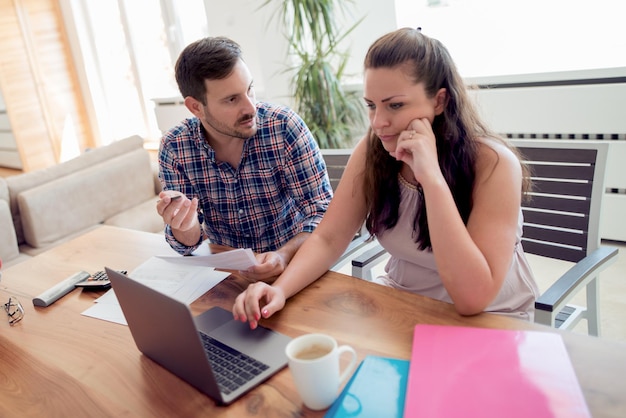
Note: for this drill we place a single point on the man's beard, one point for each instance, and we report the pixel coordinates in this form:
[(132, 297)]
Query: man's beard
[(228, 130)]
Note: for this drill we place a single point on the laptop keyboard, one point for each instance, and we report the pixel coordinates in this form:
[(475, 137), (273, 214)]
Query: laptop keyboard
[(231, 368)]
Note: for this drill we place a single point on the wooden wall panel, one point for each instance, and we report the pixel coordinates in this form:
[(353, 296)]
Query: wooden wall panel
[(39, 82), (17, 82)]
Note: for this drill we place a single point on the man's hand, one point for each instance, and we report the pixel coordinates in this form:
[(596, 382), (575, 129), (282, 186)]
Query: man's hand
[(271, 265), (181, 214)]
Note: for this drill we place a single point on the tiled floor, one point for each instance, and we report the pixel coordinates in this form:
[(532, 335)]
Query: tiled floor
[(612, 290)]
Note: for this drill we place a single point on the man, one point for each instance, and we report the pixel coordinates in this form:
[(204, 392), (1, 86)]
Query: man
[(242, 173)]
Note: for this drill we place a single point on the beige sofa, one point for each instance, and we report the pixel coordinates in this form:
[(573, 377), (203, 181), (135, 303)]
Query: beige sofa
[(114, 185)]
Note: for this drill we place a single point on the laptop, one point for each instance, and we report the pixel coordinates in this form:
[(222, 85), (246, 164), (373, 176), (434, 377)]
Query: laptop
[(221, 357)]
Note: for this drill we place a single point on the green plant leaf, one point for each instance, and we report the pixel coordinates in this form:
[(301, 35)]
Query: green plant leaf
[(331, 113)]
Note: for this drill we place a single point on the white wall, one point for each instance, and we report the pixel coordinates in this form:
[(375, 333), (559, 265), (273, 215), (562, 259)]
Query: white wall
[(576, 109), (261, 39), (259, 32), (379, 17)]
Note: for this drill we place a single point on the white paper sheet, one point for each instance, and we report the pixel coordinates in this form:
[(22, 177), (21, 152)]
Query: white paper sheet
[(239, 259), (185, 282)]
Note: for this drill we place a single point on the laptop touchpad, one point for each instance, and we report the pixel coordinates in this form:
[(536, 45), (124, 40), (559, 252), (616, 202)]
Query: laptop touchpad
[(260, 343), (212, 319)]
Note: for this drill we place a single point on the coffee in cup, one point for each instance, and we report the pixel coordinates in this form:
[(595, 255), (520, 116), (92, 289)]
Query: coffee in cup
[(314, 365)]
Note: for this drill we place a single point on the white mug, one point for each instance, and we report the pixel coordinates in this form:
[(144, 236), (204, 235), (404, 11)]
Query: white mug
[(314, 365)]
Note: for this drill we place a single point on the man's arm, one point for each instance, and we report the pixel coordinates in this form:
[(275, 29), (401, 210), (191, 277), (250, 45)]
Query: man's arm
[(288, 250), (183, 230), (273, 263), (307, 178)]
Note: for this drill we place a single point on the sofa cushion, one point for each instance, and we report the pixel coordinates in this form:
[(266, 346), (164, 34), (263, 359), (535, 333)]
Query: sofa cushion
[(142, 217), (87, 197), (22, 182), (8, 241), (4, 190)]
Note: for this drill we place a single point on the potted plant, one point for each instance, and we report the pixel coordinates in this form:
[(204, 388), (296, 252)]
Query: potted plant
[(332, 113)]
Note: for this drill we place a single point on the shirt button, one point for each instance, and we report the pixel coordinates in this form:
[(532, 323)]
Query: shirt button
[(241, 211)]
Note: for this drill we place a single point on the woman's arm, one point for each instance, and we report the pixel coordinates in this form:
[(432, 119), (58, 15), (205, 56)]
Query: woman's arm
[(345, 215), (473, 260)]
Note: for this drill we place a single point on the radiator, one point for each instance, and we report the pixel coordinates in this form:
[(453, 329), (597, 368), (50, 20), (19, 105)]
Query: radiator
[(170, 112)]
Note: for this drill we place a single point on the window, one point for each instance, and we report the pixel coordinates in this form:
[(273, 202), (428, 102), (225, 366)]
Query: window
[(129, 48)]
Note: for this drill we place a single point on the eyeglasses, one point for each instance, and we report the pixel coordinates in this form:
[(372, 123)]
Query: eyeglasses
[(14, 310)]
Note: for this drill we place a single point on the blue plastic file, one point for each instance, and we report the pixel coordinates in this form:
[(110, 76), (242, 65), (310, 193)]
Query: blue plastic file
[(376, 389)]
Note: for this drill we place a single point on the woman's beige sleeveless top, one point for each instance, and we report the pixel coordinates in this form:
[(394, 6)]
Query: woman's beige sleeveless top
[(415, 271)]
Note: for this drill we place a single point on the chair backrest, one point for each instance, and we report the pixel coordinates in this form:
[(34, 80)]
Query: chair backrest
[(336, 160), (562, 216)]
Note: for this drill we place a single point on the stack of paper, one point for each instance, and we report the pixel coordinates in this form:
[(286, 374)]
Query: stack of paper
[(180, 277)]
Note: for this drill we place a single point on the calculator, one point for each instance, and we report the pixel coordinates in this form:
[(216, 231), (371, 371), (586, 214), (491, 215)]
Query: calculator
[(97, 281)]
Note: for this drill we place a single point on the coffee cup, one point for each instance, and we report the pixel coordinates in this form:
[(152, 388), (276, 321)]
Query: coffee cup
[(315, 367)]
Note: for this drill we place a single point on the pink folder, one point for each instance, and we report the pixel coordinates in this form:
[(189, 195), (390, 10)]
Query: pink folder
[(474, 372)]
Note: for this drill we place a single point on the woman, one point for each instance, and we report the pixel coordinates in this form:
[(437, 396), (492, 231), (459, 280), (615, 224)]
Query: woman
[(440, 191)]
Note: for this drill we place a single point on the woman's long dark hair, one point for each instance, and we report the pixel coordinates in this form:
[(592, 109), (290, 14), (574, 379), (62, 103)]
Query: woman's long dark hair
[(457, 130)]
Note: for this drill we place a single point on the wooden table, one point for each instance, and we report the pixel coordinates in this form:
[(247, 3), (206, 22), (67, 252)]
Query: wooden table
[(57, 362)]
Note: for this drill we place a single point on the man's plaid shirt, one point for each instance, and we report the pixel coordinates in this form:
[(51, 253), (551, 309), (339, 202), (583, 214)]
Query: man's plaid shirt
[(280, 188)]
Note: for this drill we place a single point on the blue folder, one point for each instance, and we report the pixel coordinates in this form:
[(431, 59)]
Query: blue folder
[(376, 389)]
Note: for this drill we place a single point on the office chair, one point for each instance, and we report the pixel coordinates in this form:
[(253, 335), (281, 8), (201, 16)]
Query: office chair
[(561, 221)]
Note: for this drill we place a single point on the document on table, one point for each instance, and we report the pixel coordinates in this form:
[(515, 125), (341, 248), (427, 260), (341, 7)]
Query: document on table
[(239, 259), (184, 281)]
